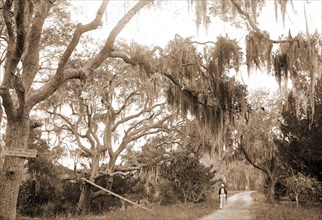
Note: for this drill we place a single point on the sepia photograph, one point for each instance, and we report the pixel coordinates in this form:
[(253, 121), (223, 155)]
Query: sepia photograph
[(160, 109)]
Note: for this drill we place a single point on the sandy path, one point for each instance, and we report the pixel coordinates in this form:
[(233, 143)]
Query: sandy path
[(237, 207)]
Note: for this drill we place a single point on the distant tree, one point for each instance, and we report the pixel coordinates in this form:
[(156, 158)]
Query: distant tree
[(244, 175), (257, 140)]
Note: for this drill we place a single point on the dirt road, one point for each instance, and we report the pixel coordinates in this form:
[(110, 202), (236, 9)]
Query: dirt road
[(237, 207)]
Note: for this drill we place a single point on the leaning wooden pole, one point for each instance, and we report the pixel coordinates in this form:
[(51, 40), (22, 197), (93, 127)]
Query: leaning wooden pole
[(114, 194)]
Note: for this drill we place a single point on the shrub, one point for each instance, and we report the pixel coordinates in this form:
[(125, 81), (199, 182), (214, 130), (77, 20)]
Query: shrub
[(192, 178), (286, 210), (308, 189), (169, 193), (46, 200)]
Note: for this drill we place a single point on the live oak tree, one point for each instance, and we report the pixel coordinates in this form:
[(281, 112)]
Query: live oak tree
[(287, 57), (198, 84), (107, 114), (23, 24), (257, 139)]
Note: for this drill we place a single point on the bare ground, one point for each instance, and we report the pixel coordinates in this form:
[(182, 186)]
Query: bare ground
[(237, 207)]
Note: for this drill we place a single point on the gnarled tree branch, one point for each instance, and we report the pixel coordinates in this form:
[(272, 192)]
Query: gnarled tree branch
[(254, 26)]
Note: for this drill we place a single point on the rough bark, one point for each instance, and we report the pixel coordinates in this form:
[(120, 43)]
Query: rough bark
[(10, 181), (87, 195), (13, 168), (85, 199)]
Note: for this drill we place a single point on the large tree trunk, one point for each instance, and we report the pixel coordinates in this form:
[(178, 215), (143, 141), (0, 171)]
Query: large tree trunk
[(17, 135), (10, 181), (271, 181), (86, 196), (85, 199)]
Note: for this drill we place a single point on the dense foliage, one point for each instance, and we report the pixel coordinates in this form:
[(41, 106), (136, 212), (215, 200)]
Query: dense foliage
[(43, 193), (302, 141), (192, 178)]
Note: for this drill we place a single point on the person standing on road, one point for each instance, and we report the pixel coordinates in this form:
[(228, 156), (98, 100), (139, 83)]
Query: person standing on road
[(222, 195)]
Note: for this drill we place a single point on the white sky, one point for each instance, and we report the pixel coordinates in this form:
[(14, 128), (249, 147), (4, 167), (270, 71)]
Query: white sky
[(158, 25)]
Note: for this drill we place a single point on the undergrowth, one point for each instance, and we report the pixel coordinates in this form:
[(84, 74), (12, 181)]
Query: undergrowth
[(283, 211)]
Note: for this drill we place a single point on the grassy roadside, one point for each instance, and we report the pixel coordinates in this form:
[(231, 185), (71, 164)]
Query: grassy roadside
[(285, 210), (174, 212)]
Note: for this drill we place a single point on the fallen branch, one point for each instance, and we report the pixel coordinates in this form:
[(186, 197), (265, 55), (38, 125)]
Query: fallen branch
[(114, 194)]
